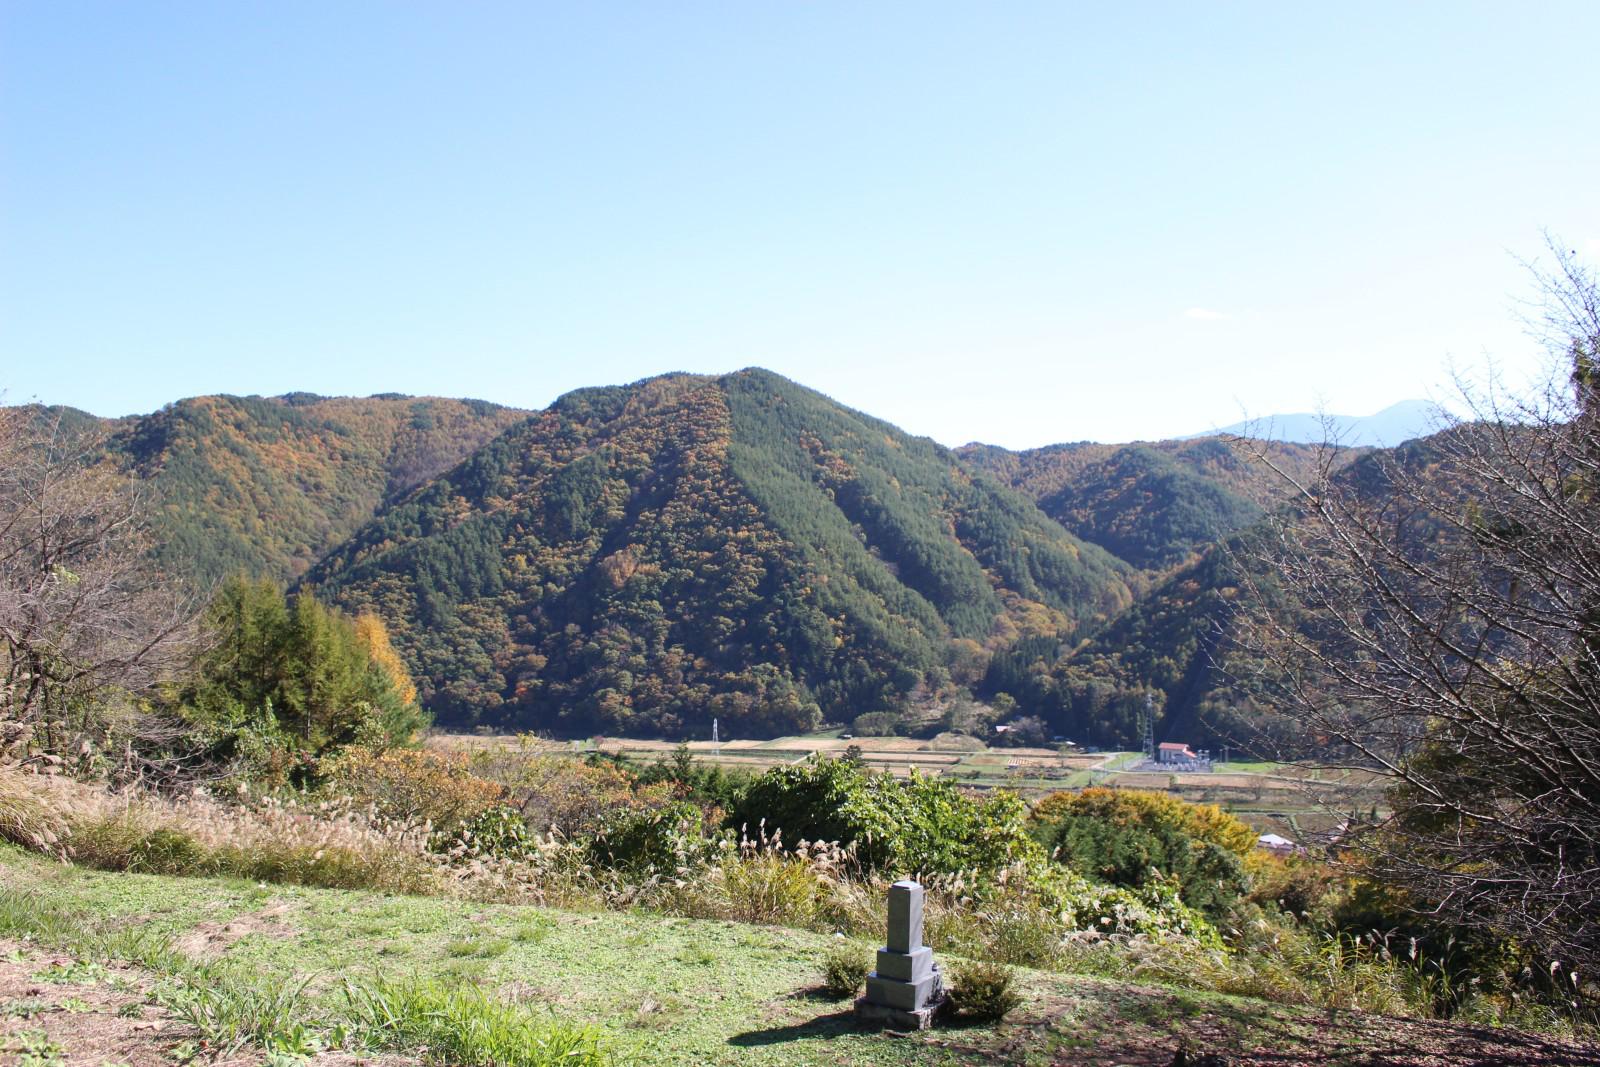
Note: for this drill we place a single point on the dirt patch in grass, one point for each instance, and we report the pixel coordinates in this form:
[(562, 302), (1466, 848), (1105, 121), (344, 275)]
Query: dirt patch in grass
[(58, 1010), (209, 940), (70, 1011)]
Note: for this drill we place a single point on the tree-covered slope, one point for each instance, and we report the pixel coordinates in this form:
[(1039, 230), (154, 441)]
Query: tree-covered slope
[(1152, 504), (1178, 643), (644, 558), (265, 486)]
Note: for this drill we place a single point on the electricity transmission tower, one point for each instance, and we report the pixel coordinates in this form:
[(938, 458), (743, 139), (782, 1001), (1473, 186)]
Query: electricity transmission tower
[(1149, 724)]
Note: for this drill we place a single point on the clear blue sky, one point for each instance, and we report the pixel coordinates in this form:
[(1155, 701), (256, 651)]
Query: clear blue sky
[(1019, 223)]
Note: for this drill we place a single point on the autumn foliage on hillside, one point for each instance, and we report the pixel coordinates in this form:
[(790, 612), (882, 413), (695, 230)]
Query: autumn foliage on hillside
[(643, 559), (265, 486)]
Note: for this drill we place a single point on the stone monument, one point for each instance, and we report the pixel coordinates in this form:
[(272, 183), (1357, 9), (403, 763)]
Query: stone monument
[(906, 990)]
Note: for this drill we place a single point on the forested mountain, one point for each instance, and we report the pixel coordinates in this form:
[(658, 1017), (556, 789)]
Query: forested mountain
[(1162, 648), (647, 557), (265, 486), (1176, 643), (1152, 504)]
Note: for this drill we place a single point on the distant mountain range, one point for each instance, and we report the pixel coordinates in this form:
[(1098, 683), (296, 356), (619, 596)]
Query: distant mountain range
[(645, 558), (1394, 425)]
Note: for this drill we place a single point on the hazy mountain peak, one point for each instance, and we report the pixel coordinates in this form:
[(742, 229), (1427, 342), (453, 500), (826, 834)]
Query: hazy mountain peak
[(1392, 426)]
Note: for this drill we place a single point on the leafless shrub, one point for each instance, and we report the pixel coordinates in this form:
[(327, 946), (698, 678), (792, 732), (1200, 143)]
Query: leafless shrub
[(87, 626), (1434, 614)]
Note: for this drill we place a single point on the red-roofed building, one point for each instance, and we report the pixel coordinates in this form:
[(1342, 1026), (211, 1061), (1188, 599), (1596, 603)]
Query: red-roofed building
[(1181, 757)]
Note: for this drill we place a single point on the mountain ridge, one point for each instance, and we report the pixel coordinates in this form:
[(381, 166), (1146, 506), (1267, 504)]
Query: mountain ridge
[(645, 557), (267, 485), (1394, 425), (739, 546)]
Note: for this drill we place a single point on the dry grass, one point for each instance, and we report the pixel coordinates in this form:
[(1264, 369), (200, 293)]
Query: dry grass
[(813, 886), (32, 811)]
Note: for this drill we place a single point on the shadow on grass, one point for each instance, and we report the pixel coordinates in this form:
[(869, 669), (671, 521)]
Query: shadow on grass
[(820, 994), (822, 1028)]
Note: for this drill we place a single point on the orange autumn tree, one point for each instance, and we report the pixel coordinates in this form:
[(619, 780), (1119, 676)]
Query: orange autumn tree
[(373, 637)]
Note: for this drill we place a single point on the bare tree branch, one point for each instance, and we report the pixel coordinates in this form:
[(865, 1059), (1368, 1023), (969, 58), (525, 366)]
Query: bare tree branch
[(1442, 628)]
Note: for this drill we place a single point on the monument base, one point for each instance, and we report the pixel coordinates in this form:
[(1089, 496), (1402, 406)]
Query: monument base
[(898, 1018)]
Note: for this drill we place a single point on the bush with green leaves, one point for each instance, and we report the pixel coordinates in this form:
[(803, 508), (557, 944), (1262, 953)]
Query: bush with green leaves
[(499, 832), (1027, 914), (983, 991), (844, 970), (711, 785), (664, 839), (913, 825), (290, 679)]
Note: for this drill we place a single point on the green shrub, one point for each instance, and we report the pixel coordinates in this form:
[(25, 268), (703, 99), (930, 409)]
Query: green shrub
[(910, 826), (499, 832), (1203, 822), (844, 970), (1135, 839), (666, 839), (982, 990), (711, 785)]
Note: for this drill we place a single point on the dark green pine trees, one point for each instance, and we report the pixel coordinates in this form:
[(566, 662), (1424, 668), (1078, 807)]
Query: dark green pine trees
[(290, 679)]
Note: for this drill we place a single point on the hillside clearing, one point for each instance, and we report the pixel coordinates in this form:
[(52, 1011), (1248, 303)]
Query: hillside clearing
[(660, 990)]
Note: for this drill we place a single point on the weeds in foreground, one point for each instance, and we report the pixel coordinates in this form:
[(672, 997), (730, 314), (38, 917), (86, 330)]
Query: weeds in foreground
[(232, 1015), (446, 1024), (37, 1050), (462, 1025), (844, 970)]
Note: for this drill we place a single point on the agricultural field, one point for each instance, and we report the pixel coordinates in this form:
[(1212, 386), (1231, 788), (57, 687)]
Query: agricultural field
[(1299, 802)]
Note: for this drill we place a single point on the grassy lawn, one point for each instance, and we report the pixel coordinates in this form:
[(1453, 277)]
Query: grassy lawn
[(670, 990), (1249, 767)]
